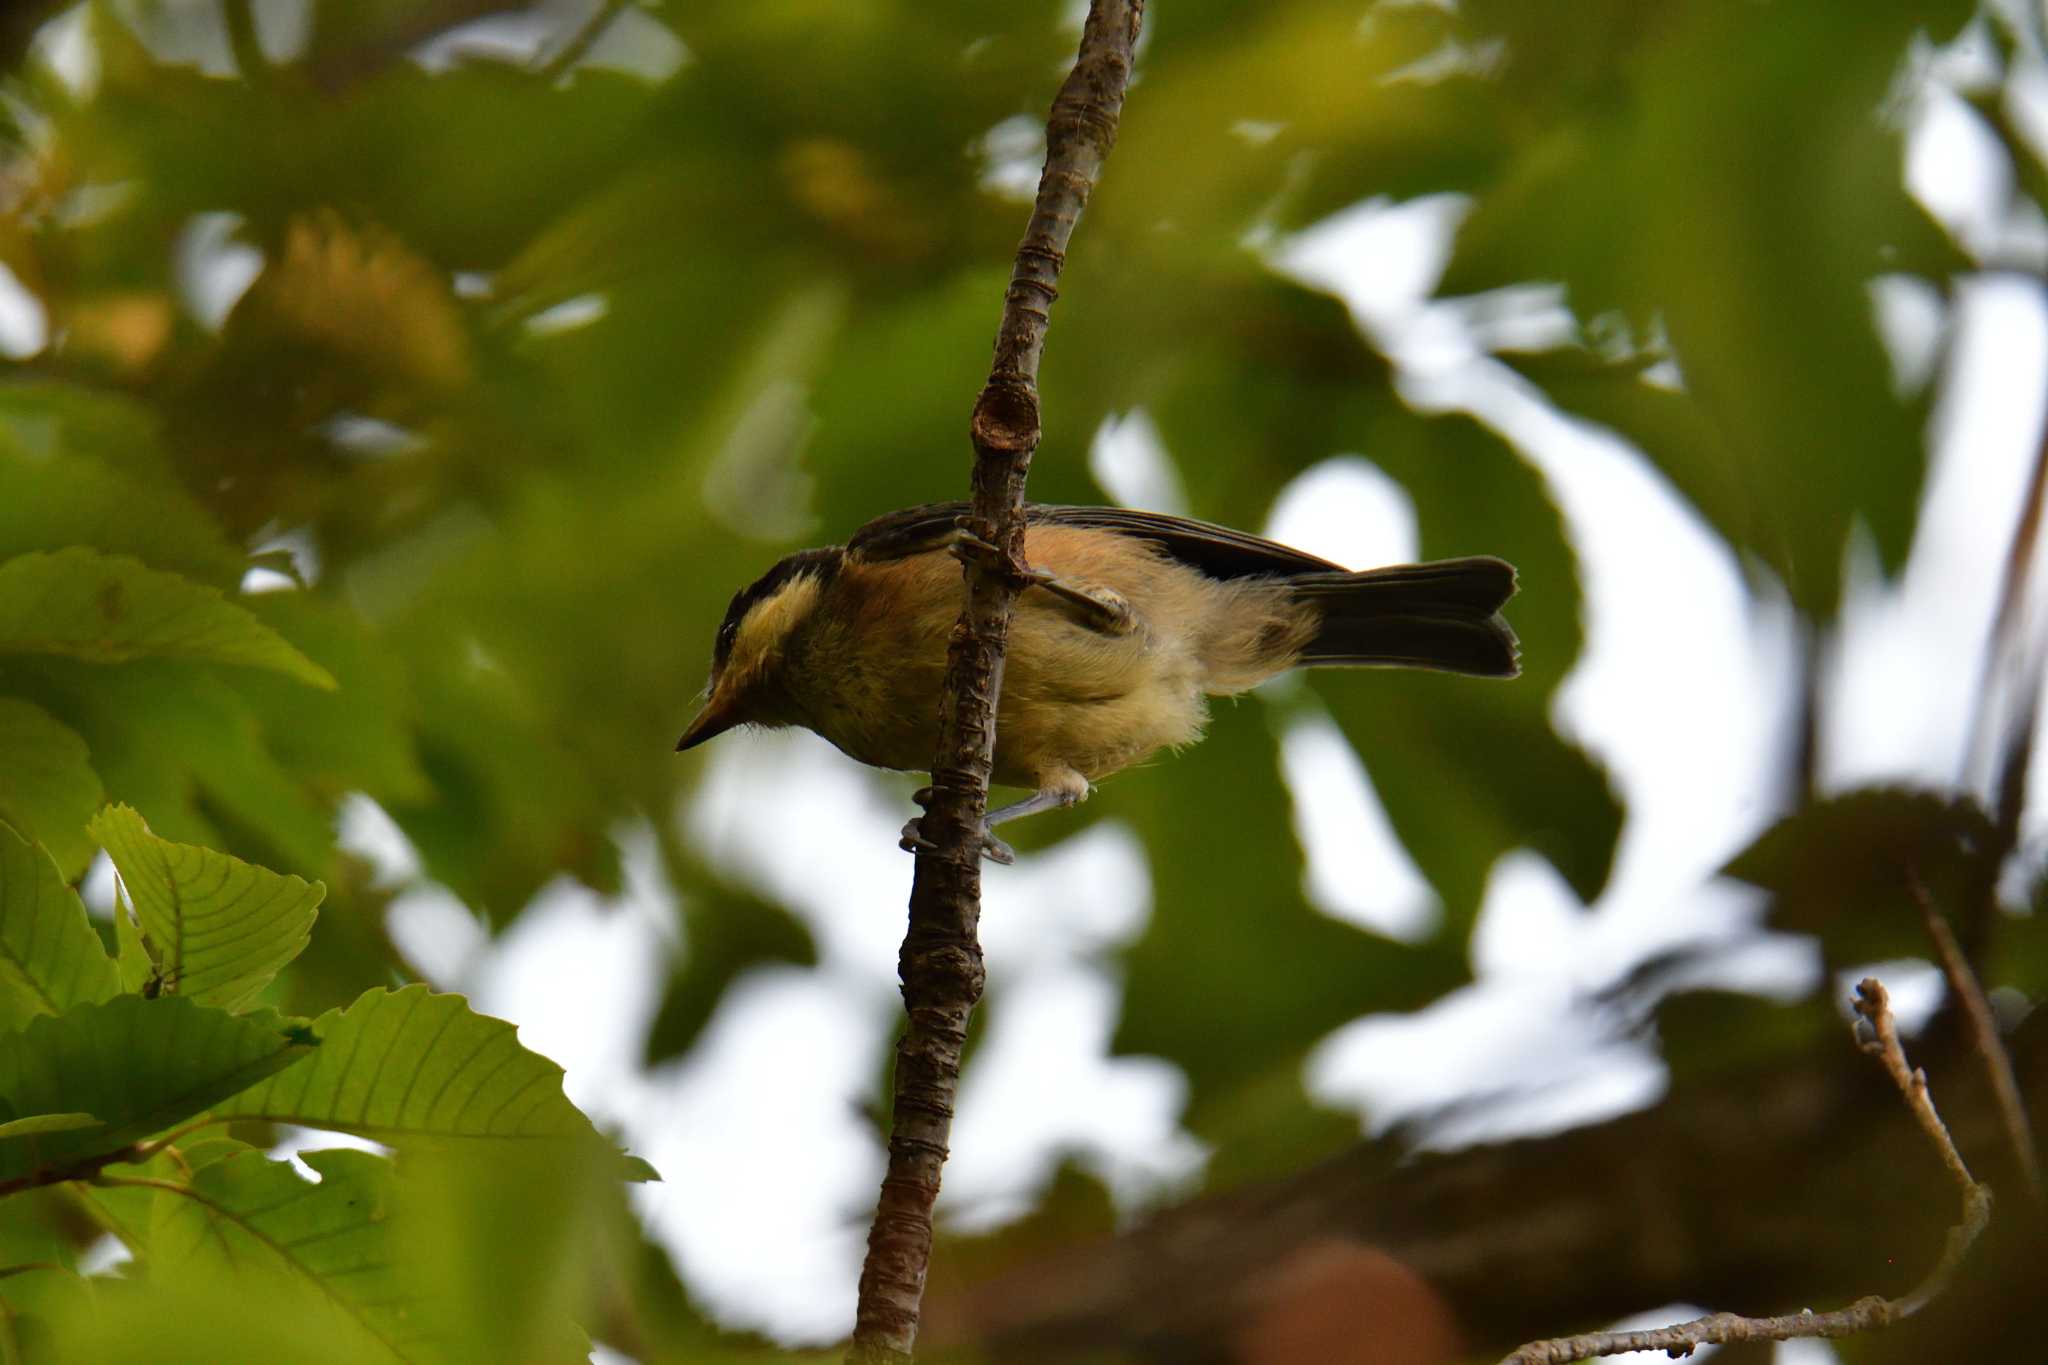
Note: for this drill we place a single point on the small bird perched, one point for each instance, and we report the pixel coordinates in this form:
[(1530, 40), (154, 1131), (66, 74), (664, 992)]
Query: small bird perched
[(1129, 621)]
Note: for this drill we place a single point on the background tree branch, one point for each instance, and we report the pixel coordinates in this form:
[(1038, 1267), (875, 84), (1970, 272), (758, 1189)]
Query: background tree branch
[(1878, 1036), (1805, 1156)]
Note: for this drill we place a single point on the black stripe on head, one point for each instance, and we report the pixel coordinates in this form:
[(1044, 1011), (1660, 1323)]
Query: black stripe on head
[(820, 564)]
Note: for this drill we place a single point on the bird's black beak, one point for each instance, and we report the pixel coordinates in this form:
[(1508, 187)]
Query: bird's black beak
[(720, 714)]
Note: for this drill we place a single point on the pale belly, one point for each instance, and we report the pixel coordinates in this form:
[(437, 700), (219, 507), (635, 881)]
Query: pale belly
[(1073, 699)]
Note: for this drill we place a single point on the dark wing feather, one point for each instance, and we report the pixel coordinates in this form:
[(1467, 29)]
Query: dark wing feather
[(1215, 550), (912, 531)]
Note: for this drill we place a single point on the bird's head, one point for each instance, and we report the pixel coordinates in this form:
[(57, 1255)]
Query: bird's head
[(748, 657)]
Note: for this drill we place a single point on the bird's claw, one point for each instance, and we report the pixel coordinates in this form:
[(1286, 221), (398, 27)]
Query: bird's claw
[(967, 545), (913, 840)]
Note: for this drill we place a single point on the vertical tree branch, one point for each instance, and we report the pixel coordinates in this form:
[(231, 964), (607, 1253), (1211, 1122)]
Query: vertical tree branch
[(940, 964)]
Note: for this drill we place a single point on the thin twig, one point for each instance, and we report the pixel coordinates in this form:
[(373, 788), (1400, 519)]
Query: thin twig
[(1878, 1035), (1969, 992), (941, 963)]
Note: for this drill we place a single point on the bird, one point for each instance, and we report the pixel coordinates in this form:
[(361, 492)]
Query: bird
[(1128, 621)]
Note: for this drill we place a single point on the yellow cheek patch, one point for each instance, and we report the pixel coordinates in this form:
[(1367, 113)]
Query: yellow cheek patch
[(768, 623)]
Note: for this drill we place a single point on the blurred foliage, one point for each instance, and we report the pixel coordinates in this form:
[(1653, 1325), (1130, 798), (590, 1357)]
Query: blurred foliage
[(404, 409)]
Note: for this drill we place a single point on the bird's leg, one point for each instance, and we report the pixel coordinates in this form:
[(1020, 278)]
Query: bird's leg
[(913, 840), (1057, 791), (1104, 609)]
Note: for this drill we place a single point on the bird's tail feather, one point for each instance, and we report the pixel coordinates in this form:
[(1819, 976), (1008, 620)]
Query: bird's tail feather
[(1443, 615)]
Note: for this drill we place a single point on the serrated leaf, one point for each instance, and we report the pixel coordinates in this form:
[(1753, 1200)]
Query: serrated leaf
[(221, 927), (131, 959), (50, 958), (137, 1065), (126, 1210), (83, 604), (48, 788), (259, 1224), (410, 1064)]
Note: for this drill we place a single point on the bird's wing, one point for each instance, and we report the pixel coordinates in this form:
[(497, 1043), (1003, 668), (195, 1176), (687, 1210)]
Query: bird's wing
[(1216, 550), (914, 530)]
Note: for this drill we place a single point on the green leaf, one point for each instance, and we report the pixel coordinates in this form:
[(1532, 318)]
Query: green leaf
[(359, 738), (132, 959), (410, 1064), (48, 789), (257, 1223), (1231, 923), (508, 1279), (103, 608), (39, 1306), (141, 1321), (221, 927), (125, 1211), (1711, 1032), (182, 742), (1471, 768), (1843, 868), (59, 495), (50, 958), (48, 1123), (137, 1065), (1730, 178)]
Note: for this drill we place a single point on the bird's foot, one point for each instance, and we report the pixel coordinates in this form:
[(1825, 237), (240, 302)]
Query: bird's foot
[(1103, 608), (913, 840), (968, 547)]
